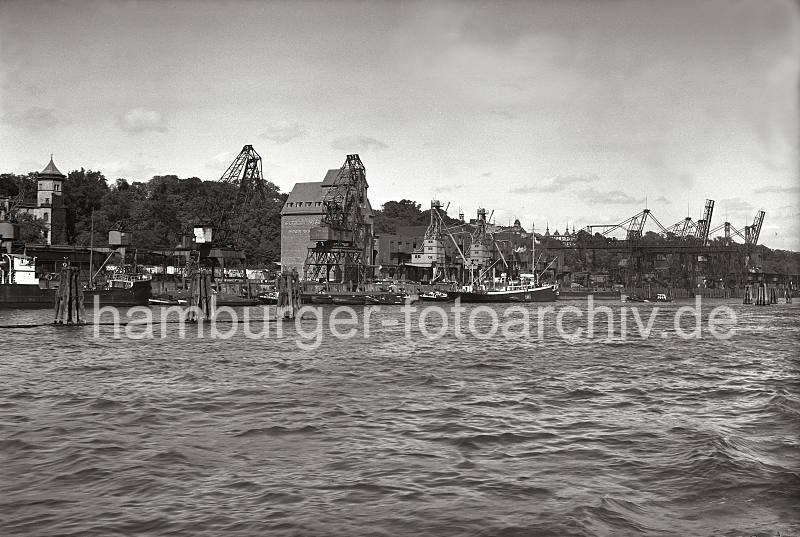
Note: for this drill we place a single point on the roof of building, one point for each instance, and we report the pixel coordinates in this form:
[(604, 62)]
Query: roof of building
[(305, 198), (51, 169), (330, 177)]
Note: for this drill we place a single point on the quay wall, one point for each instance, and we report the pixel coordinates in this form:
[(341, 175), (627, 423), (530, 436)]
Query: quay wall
[(734, 292)]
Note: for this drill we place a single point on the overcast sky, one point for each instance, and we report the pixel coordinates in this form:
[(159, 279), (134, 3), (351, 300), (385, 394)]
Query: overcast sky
[(543, 111)]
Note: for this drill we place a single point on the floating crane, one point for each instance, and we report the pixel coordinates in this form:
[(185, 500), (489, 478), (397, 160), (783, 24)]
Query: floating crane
[(343, 238)]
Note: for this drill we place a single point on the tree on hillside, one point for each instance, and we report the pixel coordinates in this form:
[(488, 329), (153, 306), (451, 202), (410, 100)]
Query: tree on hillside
[(84, 191), (31, 229)]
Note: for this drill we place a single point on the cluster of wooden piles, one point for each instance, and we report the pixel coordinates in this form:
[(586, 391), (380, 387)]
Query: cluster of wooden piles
[(762, 295), (69, 305)]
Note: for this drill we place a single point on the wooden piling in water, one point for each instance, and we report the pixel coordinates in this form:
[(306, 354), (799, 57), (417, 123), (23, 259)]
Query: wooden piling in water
[(69, 302), (202, 301), (289, 295)]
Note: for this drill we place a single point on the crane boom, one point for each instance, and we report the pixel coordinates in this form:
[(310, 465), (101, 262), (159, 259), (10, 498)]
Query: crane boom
[(755, 229)]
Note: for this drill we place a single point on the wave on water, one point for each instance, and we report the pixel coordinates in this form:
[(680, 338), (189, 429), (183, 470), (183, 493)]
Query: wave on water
[(371, 437)]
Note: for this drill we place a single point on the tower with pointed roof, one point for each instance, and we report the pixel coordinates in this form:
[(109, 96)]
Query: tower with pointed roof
[(50, 202)]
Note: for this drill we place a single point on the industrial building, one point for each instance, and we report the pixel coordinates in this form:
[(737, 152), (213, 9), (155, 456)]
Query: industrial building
[(326, 227)]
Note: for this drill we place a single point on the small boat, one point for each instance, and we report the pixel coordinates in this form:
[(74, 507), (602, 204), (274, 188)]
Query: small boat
[(586, 293), (319, 299), (268, 298), (635, 298), (349, 300), (163, 301), (434, 296), (388, 299)]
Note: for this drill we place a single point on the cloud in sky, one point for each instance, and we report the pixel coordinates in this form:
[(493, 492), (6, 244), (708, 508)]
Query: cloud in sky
[(220, 161), (734, 206), (685, 100), (132, 171), (557, 184), (138, 120), (357, 144), (444, 189), (281, 132), (609, 197), (777, 189), (34, 118)]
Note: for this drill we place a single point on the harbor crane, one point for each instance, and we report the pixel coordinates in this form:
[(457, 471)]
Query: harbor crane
[(246, 177), (689, 229), (750, 235), (633, 226), (218, 238), (342, 238)]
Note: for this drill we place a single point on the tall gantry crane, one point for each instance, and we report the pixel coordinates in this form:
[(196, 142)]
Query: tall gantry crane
[(633, 226), (227, 217), (750, 235), (704, 224), (342, 238)]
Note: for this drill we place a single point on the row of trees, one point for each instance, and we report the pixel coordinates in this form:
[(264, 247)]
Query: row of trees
[(394, 214), (157, 212)]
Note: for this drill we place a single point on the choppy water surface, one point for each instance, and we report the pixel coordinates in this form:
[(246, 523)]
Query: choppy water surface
[(389, 436)]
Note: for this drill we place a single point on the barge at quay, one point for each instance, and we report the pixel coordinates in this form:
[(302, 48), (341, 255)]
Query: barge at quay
[(20, 287)]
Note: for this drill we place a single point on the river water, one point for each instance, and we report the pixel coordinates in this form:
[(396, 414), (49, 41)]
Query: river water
[(397, 435)]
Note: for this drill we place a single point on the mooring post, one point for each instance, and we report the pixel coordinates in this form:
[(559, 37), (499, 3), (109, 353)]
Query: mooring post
[(289, 295), (202, 301), (69, 301)]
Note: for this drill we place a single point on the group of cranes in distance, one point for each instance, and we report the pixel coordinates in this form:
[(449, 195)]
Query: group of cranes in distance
[(342, 241), (698, 232)]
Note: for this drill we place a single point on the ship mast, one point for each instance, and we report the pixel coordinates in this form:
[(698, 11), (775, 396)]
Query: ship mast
[(533, 252), (91, 250)]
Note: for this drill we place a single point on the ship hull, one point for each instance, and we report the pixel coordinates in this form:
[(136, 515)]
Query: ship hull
[(33, 296), (349, 300), (538, 294)]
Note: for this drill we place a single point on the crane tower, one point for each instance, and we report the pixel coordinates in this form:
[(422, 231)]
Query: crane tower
[(343, 239)]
